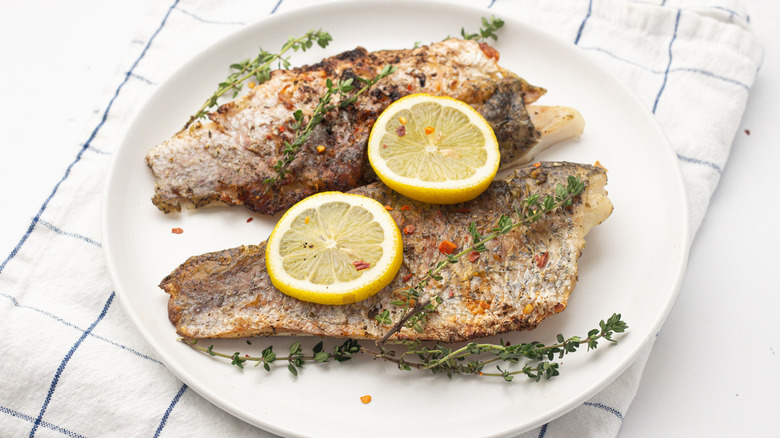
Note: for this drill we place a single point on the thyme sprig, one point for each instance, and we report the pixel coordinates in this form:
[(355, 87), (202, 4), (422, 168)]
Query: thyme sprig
[(304, 125), (488, 30), (472, 358), (295, 359), (259, 68), (417, 308)]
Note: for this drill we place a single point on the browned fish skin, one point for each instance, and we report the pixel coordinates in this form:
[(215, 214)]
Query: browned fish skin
[(228, 159), (510, 287)]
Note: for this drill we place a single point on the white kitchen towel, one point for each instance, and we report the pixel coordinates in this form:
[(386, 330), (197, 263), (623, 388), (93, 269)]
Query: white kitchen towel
[(74, 365)]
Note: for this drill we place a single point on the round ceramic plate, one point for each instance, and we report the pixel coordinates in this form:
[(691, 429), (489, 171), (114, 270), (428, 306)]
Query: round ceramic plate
[(633, 263)]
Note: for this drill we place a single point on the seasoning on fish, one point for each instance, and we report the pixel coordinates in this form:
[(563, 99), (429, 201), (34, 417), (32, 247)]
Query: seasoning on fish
[(227, 294), (228, 159)]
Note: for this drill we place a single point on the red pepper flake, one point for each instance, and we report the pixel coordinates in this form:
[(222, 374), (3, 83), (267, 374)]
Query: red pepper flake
[(438, 213), (747, 131), (537, 165), (281, 128), (464, 210), (388, 208), (405, 207), (268, 136), (176, 230), (541, 259), (409, 87), (401, 131), (451, 294), (366, 399), (429, 130), (447, 247), (384, 146), (409, 229), (250, 220), (360, 265), (407, 277), (474, 256)]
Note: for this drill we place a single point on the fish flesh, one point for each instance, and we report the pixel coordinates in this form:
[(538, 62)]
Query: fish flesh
[(228, 159), (525, 275)]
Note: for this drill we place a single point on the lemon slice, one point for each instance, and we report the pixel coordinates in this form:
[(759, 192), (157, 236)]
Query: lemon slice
[(433, 149), (334, 248)]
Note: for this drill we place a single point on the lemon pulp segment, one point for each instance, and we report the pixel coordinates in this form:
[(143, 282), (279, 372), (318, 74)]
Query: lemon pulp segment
[(434, 149), (334, 248)]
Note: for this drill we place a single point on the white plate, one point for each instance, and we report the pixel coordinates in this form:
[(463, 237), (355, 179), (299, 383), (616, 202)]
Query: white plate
[(633, 263)]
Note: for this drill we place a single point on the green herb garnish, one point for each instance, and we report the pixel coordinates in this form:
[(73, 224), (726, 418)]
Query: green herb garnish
[(259, 68), (538, 359)]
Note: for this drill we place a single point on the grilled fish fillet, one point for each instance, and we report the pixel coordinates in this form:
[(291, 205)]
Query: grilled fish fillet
[(227, 160), (524, 277)]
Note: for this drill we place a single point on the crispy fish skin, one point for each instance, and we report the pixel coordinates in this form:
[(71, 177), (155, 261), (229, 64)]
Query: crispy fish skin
[(227, 160), (524, 277)]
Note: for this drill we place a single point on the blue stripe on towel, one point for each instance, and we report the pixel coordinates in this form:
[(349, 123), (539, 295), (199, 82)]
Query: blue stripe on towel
[(543, 430), (86, 145), (66, 233), (582, 25), (175, 400), (65, 361), (44, 424), (709, 164), (273, 11), (606, 408), (16, 303), (669, 64), (203, 20)]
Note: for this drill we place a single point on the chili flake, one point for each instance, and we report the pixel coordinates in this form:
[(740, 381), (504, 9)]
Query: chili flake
[(429, 130), (176, 230), (402, 119), (388, 208), (447, 247), (320, 149), (281, 128), (541, 259), (405, 207), (537, 164), (407, 277), (366, 399), (474, 256), (409, 229), (401, 131), (250, 220), (360, 265)]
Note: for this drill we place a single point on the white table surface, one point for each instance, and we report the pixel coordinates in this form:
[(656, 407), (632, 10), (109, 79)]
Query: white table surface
[(715, 368)]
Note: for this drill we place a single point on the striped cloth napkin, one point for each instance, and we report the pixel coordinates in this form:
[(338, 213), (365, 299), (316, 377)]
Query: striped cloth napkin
[(74, 365)]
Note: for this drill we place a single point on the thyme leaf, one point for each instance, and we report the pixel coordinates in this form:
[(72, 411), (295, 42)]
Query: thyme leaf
[(259, 68), (304, 126), (534, 207), (532, 359), (488, 30)]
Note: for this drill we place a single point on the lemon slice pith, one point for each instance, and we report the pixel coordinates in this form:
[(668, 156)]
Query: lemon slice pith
[(433, 149), (334, 248)]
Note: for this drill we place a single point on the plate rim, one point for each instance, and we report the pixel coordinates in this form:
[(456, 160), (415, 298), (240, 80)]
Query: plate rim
[(186, 375)]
